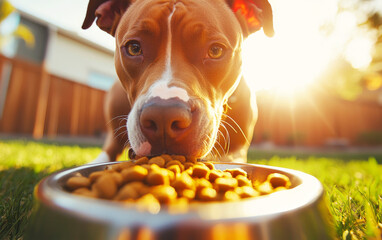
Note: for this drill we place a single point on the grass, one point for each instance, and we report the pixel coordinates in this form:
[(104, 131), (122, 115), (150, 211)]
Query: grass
[(22, 166), (353, 184), (353, 191)]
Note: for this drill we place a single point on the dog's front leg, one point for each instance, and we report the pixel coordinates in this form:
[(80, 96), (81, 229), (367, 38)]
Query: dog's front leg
[(236, 130), (116, 108)]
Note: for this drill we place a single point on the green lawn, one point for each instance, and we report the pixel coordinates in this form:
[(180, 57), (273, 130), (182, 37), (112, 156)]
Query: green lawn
[(353, 183)]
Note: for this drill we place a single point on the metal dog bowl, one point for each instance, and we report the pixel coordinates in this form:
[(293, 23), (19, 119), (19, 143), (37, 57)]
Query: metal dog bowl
[(297, 213)]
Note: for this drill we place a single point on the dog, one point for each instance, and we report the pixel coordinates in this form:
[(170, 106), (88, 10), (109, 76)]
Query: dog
[(181, 89)]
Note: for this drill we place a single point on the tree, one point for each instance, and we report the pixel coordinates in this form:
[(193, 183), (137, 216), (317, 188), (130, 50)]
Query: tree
[(359, 68)]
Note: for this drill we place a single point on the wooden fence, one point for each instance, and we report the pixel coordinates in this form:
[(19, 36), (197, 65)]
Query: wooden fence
[(40, 104), (317, 118)]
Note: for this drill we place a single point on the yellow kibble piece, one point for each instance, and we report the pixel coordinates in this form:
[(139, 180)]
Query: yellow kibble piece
[(171, 174), (278, 180), (158, 161), (175, 162), (77, 182), (140, 187), (85, 192), (231, 196), (164, 194), (225, 184), (148, 166), (148, 203), (227, 174), (209, 165), (236, 171), (187, 193), (189, 171), (135, 173), (265, 188), (105, 186), (243, 181), (214, 174), (180, 158), (127, 192), (179, 205), (95, 175), (207, 194), (166, 157), (120, 166), (184, 181), (200, 171), (175, 169), (202, 183), (188, 165), (142, 160), (246, 192), (117, 178), (158, 177)]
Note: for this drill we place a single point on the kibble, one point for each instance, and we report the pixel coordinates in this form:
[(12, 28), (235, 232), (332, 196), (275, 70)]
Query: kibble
[(135, 173), (142, 160), (200, 171), (174, 180), (158, 161), (158, 177), (77, 182), (278, 180), (105, 186), (207, 194)]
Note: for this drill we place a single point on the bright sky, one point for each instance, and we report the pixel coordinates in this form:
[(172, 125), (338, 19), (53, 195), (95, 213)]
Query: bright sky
[(295, 57), (299, 52)]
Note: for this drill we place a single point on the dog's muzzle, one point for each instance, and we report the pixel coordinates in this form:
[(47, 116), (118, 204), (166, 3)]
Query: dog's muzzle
[(165, 121), (170, 126)]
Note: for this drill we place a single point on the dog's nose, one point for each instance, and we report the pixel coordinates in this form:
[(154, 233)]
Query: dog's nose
[(165, 119)]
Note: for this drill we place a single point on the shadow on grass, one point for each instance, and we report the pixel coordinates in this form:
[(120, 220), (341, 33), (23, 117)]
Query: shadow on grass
[(16, 197)]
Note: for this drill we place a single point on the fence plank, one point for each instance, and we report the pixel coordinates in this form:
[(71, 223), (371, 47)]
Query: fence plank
[(42, 104), (75, 114)]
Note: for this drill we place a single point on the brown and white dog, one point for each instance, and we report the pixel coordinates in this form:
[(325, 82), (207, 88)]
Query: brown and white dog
[(181, 89)]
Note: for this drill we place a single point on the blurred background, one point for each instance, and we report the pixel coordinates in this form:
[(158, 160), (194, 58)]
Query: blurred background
[(318, 80)]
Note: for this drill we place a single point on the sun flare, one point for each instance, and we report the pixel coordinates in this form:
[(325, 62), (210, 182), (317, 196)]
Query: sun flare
[(309, 37)]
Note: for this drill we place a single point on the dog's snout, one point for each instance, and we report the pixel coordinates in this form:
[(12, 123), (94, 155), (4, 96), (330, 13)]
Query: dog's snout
[(161, 119)]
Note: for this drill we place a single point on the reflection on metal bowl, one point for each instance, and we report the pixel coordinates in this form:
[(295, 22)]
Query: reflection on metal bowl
[(297, 213)]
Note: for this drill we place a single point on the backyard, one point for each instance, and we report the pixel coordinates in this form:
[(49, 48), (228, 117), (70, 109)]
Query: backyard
[(318, 85), (353, 182)]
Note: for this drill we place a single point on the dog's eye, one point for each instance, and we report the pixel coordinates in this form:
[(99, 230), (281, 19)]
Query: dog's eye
[(133, 48), (216, 51)]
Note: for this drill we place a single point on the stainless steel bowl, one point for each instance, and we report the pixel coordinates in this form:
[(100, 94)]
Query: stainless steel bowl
[(297, 213)]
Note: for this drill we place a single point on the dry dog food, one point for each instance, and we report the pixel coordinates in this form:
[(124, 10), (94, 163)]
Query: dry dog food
[(169, 180)]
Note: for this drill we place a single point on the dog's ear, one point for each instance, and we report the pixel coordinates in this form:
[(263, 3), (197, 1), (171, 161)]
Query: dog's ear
[(252, 15), (107, 12)]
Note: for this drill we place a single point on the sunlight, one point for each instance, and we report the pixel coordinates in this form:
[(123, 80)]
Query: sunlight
[(309, 36), (358, 52)]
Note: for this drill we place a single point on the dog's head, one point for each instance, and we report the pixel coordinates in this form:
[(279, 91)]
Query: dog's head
[(179, 61)]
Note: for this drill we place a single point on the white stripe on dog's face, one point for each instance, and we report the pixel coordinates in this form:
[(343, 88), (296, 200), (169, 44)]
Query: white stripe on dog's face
[(159, 89)]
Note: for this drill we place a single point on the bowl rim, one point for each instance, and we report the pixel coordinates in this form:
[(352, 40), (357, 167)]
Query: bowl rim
[(309, 190)]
